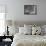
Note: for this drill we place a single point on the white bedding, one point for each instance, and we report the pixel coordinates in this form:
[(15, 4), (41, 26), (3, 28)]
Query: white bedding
[(29, 40)]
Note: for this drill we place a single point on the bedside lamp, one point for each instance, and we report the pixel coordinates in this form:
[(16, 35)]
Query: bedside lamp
[(7, 30), (8, 24)]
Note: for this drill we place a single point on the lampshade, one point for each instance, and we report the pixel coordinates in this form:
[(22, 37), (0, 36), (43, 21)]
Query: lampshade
[(9, 22)]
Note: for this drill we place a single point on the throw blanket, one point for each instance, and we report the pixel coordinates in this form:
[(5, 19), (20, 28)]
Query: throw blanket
[(29, 40)]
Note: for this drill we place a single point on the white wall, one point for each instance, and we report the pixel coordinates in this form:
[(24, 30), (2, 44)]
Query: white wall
[(15, 9)]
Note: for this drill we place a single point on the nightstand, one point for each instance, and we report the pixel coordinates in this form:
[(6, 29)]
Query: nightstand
[(6, 40)]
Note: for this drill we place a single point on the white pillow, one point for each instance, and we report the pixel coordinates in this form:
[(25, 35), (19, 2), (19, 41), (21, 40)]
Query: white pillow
[(36, 30), (28, 26), (44, 27), (42, 30), (13, 30), (33, 30), (21, 30), (24, 30), (28, 31)]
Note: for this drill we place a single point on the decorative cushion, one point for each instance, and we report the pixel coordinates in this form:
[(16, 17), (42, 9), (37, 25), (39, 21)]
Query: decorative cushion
[(36, 30), (21, 30), (28, 31), (44, 26), (28, 26), (44, 29), (24, 30)]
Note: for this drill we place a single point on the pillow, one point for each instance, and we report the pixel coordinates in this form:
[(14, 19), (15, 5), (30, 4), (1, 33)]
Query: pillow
[(44, 29), (13, 30), (44, 26), (28, 26), (36, 30), (28, 31), (21, 30), (24, 30)]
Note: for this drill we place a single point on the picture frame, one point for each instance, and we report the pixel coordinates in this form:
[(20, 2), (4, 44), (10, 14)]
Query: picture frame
[(30, 9)]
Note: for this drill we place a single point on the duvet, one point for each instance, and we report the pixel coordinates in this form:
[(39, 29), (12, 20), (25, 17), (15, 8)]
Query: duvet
[(29, 40)]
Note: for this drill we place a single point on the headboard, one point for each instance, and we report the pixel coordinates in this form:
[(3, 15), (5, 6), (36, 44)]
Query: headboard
[(21, 23)]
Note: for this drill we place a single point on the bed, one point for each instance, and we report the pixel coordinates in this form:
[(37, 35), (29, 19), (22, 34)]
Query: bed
[(29, 40), (21, 39)]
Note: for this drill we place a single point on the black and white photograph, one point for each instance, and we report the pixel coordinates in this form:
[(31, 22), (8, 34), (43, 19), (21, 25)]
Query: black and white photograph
[(30, 9)]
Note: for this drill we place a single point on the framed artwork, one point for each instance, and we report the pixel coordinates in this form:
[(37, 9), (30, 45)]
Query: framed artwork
[(30, 9)]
